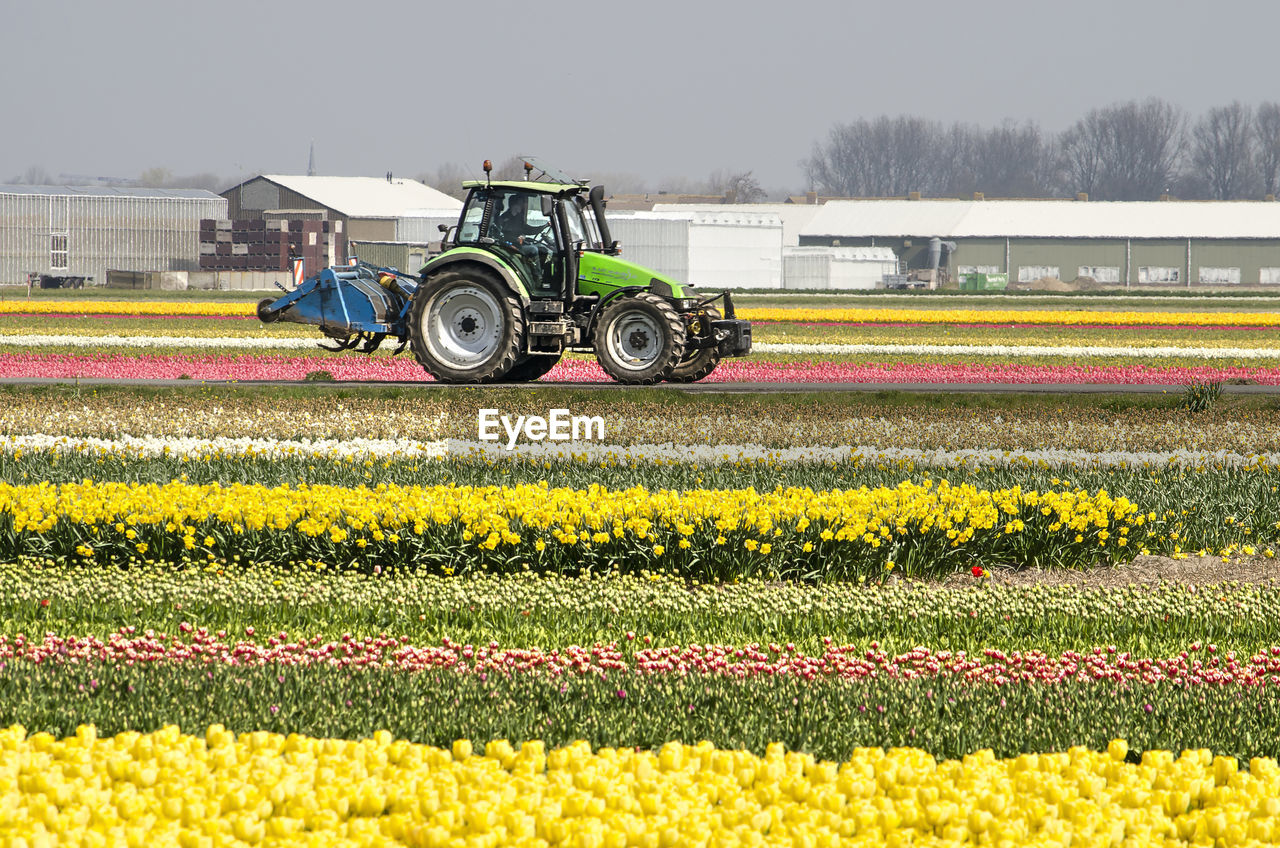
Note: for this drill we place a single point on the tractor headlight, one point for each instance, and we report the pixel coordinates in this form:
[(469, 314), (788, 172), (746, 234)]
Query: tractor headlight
[(687, 302)]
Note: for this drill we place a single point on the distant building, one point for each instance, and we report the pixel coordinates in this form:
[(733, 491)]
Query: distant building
[(84, 230), (1118, 244), (644, 202)]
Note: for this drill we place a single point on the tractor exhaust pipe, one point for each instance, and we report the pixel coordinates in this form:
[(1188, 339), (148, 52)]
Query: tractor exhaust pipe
[(596, 197)]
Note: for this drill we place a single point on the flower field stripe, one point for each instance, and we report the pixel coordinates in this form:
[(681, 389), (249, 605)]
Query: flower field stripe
[(990, 327), (713, 533), (818, 454), (641, 610), (1074, 351), (812, 349), (463, 449), (143, 342), (848, 662), (129, 307), (269, 787), (1062, 317), (244, 447), (273, 368)]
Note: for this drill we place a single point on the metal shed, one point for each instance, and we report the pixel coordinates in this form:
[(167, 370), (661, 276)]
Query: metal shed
[(84, 230), (837, 268), (721, 249)]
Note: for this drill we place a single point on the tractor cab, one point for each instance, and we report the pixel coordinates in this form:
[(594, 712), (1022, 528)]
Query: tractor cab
[(537, 231)]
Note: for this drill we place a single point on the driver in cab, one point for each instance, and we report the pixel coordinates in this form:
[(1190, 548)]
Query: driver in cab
[(512, 227)]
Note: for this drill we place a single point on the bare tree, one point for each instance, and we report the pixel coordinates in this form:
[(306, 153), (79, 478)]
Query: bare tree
[(1129, 151), (160, 177), (1222, 151), (33, 175), (737, 187), (880, 158), (1010, 160), (448, 178), (1082, 152), (1266, 128), (956, 152), (155, 177)]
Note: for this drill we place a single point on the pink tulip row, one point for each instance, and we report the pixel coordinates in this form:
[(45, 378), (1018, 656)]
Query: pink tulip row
[(1191, 328), (1195, 666), (363, 369)]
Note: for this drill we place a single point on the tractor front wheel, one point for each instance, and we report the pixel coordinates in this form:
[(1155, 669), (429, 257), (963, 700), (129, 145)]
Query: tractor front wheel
[(639, 339), (699, 362), (466, 327)]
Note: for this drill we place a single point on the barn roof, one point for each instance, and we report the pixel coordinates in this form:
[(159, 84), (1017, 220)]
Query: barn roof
[(370, 197)]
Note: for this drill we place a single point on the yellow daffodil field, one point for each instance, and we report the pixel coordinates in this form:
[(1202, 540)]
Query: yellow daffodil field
[(326, 613)]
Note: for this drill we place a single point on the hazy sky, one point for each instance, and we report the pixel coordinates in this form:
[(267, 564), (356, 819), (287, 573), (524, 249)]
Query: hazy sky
[(655, 88)]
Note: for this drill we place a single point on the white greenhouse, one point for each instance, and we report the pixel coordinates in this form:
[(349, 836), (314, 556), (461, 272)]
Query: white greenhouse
[(713, 250), (84, 230), (837, 267)]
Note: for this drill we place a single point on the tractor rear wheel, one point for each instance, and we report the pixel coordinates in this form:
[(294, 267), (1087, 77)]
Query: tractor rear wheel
[(466, 327), (697, 363), (531, 368), (639, 339)]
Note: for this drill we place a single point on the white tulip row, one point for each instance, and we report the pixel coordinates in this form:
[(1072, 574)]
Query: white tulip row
[(192, 448), (816, 349), (704, 454)]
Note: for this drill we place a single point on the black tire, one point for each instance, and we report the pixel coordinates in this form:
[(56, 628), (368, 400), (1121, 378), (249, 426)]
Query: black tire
[(466, 326), (699, 362), (531, 368), (639, 339)]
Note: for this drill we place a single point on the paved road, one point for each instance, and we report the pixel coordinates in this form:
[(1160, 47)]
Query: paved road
[(693, 388)]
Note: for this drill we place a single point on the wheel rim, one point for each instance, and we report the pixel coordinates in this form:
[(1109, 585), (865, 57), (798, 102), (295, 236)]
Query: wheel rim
[(634, 340), (464, 326)]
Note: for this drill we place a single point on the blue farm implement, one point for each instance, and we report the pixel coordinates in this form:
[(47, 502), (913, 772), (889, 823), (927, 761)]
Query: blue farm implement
[(356, 305)]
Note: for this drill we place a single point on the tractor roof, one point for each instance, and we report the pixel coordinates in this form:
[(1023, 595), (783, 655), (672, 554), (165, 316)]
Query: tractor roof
[(527, 185)]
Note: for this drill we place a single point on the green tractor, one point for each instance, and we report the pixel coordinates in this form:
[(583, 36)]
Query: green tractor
[(530, 272)]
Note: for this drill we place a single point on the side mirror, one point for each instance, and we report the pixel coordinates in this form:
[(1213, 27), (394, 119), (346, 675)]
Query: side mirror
[(548, 206), (444, 228)]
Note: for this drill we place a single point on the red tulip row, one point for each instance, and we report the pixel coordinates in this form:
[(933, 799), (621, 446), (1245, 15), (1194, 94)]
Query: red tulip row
[(1198, 664)]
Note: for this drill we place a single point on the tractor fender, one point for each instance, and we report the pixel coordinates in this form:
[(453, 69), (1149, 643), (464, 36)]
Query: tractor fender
[(447, 260), (603, 302)]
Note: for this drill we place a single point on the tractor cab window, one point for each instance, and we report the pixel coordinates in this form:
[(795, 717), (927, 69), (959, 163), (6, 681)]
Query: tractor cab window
[(577, 228), (472, 215), (518, 219), (593, 230)]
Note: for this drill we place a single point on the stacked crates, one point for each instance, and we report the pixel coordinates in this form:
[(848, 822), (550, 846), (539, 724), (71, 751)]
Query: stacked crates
[(257, 245)]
